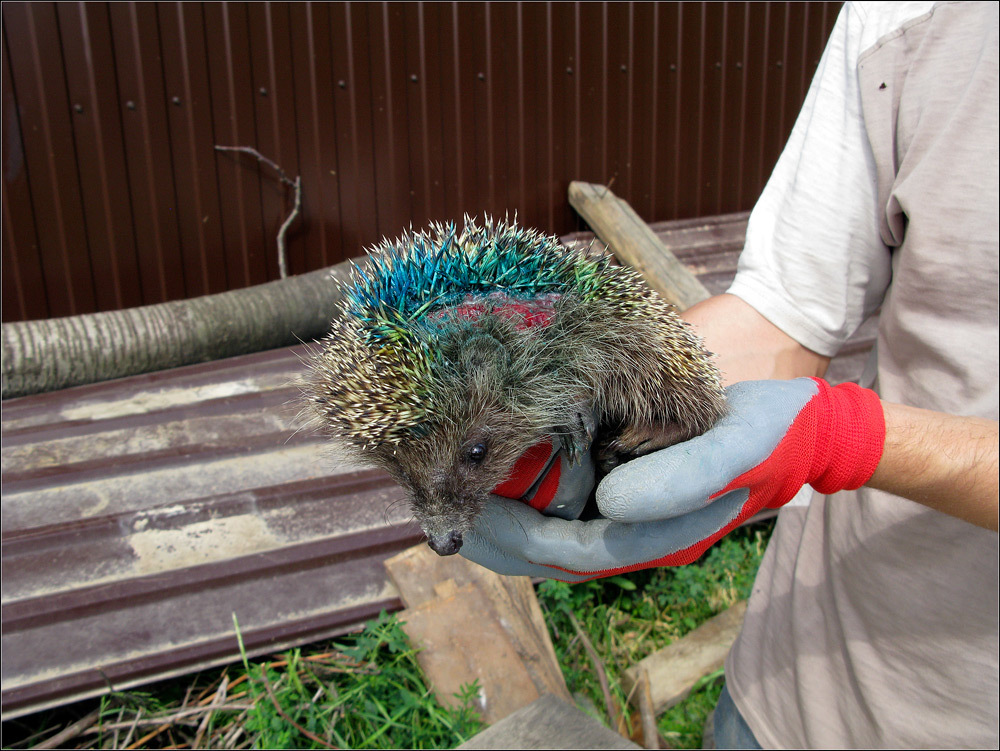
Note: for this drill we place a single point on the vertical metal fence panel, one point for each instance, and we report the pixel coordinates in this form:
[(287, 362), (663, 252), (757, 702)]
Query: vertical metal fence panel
[(85, 33), (238, 176), (392, 114), (390, 126), (136, 48), (23, 280), (50, 156)]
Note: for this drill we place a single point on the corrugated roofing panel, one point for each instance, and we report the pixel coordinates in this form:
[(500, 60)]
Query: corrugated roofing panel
[(140, 515)]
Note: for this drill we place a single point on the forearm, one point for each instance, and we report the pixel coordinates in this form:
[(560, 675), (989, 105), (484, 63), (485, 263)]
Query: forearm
[(945, 462), (747, 346)]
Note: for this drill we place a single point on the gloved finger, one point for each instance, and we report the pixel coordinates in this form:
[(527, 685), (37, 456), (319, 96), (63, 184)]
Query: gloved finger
[(545, 479), (679, 480), (564, 491), (521, 533)]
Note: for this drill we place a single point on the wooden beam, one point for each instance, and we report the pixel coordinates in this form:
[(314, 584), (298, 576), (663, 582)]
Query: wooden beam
[(674, 670), (634, 243)]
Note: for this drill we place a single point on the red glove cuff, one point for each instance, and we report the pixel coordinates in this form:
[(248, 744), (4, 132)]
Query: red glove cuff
[(850, 437)]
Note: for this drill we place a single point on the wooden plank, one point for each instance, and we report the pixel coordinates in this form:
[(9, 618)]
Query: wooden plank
[(461, 639), (474, 624), (675, 669), (514, 600), (418, 572), (634, 243)]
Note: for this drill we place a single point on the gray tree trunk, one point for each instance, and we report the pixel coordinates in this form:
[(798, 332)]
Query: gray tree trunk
[(57, 353)]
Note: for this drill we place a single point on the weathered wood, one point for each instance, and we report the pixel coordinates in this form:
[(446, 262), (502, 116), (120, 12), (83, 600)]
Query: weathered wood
[(634, 243), (472, 624), (644, 700), (549, 722), (461, 639), (57, 353), (675, 669), (514, 600), (418, 571)]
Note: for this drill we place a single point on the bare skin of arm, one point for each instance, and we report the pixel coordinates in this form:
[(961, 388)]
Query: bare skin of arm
[(941, 461)]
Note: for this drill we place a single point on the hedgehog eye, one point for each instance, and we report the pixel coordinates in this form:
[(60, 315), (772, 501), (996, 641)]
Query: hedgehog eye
[(477, 453)]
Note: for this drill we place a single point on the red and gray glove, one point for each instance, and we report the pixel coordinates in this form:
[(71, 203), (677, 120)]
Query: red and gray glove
[(667, 508), (548, 482)]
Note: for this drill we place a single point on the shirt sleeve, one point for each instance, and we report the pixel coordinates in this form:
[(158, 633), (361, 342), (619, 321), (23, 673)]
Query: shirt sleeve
[(814, 263)]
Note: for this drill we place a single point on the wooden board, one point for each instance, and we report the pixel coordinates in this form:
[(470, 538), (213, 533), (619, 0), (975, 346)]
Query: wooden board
[(675, 669), (461, 640), (472, 624), (635, 244), (418, 572)]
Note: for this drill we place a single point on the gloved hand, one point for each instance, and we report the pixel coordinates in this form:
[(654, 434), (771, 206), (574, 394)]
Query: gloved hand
[(668, 507)]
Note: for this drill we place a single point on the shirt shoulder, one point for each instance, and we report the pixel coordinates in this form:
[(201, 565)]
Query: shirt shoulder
[(874, 22)]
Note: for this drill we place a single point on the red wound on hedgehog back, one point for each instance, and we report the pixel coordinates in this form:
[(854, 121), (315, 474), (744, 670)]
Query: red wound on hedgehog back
[(535, 312)]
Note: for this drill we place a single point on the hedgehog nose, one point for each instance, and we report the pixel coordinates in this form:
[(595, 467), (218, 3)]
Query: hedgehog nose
[(446, 544)]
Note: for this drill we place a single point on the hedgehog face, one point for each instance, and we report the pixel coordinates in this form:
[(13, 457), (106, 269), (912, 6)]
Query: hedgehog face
[(451, 469)]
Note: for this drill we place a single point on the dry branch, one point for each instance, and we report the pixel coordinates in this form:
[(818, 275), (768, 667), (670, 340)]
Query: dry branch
[(59, 739), (613, 714), (295, 184)]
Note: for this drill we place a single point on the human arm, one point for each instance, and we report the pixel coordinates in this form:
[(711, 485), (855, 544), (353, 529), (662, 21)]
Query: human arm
[(941, 461), (945, 462), (748, 347)]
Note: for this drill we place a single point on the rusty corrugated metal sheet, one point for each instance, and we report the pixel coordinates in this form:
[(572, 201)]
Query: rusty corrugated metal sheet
[(138, 515), (392, 113)]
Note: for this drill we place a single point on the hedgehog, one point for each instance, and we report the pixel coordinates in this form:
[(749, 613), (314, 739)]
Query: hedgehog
[(453, 353)]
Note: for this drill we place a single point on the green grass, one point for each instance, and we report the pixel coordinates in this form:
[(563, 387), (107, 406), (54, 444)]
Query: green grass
[(366, 690), (375, 698), (628, 617)]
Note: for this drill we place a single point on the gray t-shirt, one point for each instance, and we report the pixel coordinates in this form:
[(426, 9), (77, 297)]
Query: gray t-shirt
[(873, 620)]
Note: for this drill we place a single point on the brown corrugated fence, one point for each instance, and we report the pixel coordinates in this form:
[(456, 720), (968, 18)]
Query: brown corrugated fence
[(392, 114)]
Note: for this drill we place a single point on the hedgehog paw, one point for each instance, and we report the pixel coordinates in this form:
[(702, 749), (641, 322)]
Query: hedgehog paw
[(637, 440)]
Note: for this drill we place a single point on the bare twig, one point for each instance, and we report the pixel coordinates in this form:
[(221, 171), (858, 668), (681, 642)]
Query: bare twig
[(114, 740), (135, 724), (260, 158), (235, 729), (217, 700), (29, 741), (289, 720), (60, 738), (282, 263), (295, 184), (613, 714), (230, 740), (149, 736), (172, 719), (650, 733)]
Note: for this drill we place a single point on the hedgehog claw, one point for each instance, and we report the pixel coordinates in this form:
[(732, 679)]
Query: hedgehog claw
[(580, 438)]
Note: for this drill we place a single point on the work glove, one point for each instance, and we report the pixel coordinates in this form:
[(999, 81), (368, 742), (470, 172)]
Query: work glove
[(547, 480), (668, 507)]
